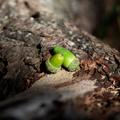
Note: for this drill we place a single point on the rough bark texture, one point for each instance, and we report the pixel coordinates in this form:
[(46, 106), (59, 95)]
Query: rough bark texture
[(26, 39)]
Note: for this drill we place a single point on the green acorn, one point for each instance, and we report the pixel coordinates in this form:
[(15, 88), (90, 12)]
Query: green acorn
[(70, 61), (54, 63)]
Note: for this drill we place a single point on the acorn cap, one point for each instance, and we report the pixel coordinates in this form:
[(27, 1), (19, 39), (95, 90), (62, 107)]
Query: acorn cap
[(74, 65), (54, 63)]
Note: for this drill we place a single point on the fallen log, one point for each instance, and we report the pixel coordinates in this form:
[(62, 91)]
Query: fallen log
[(25, 43)]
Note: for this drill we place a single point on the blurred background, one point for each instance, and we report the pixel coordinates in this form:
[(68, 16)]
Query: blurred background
[(99, 17)]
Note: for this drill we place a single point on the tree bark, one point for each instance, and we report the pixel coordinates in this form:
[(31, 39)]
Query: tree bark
[(28, 31)]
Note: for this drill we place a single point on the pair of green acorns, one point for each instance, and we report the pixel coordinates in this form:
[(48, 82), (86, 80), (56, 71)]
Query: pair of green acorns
[(62, 58)]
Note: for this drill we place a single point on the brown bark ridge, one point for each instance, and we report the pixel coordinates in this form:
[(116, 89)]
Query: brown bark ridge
[(26, 39)]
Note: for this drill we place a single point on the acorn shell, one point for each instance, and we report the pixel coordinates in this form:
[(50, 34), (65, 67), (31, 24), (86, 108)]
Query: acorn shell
[(53, 64), (70, 61)]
